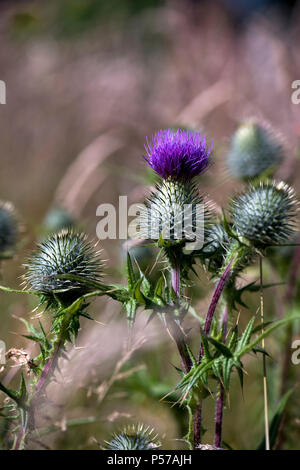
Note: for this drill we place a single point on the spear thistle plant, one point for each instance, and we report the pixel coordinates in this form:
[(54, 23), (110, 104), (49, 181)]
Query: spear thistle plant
[(65, 274)]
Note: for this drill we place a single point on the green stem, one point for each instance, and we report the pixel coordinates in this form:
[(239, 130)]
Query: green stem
[(190, 429)]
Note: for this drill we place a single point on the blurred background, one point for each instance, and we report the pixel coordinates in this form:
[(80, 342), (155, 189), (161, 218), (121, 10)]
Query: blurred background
[(87, 81)]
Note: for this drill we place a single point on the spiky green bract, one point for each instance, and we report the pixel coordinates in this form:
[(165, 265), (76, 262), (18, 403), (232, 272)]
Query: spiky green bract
[(65, 253), (9, 228), (255, 149), (134, 437), (265, 214), (174, 213)]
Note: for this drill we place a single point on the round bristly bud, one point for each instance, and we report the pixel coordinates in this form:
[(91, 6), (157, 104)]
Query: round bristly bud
[(215, 247), (266, 214), (179, 155), (65, 253), (134, 438), (9, 227), (255, 149), (173, 214)]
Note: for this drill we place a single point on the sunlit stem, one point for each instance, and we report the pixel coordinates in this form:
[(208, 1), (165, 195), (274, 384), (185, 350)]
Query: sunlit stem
[(265, 384)]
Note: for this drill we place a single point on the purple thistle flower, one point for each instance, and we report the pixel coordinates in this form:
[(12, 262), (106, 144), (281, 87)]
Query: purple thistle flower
[(177, 154)]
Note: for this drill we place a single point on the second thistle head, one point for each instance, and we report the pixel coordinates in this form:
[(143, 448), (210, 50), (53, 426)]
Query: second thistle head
[(179, 155), (265, 215), (217, 242), (64, 254), (255, 149), (9, 228)]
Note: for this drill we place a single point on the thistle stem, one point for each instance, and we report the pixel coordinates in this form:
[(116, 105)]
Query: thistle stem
[(49, 368), (265, 385), (220, 399), (175, 329), (190, 429), (178, 336), (197, 425), (219, 418), (177, 333), (214, 301), (207, 325)]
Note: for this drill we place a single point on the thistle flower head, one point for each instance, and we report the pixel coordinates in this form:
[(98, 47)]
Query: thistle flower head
[(134, 438), (174, 213), (177, 154), (255, 149), (265, 215), (9, 227), (65, 253), (215, 247)]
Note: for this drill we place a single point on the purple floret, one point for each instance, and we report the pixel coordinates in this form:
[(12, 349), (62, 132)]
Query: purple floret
[(177, 154)]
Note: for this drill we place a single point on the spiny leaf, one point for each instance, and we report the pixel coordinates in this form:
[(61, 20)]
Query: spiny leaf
[(258, 349), (131, 279), (22, 393), (220, 347), (243, 341), (242, 351), (131, 308), (204, 340), (137, 294), (233, 340), (158, 291)]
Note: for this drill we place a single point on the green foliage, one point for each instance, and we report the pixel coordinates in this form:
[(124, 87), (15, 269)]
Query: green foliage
[(219, 359)]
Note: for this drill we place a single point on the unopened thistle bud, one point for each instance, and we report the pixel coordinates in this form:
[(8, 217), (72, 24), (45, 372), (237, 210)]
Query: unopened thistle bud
[(9, 228), (216, 245), (134, 438), (65, 253), (57, 219), (265, 215), (255, 149)]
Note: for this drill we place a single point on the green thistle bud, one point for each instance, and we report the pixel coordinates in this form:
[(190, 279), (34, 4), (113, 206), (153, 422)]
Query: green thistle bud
[(9, 228), (57, 219), (65, 253), (265, 214), (134, 438), (254, 150), (173, 213), (215, 247)]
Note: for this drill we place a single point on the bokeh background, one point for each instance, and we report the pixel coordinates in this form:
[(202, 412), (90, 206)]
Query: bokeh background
[(87, 81)]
